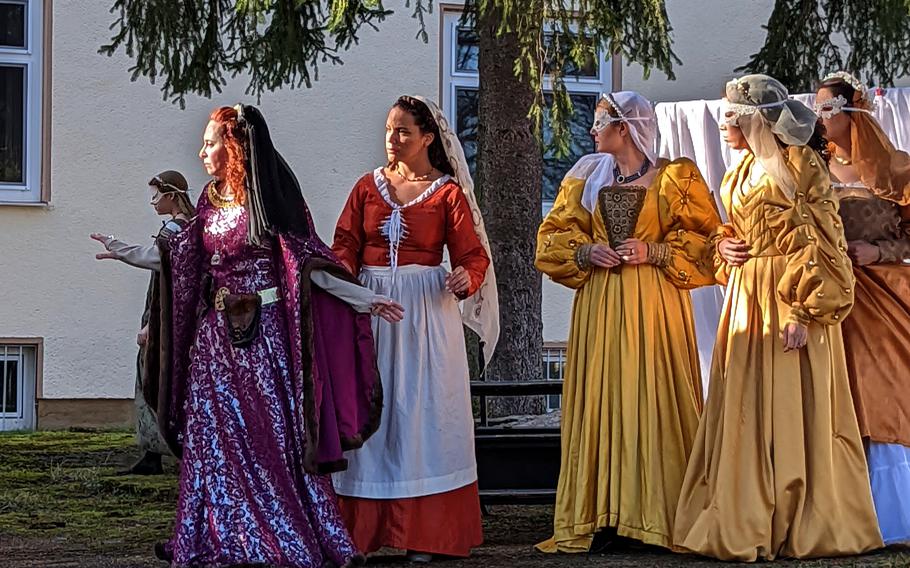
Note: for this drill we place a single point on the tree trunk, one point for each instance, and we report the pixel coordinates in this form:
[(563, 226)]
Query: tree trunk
[(509, 172)]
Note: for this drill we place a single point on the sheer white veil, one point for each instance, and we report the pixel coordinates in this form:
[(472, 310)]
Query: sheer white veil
[(480, 312)]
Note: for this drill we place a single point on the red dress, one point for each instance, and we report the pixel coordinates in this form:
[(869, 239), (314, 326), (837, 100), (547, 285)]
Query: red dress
[(445, 523)]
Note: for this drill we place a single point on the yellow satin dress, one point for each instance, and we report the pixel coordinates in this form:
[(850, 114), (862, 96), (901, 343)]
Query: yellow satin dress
[(632, 390), (778, 468)]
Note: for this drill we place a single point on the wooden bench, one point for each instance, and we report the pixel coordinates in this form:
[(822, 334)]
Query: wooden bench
[(515, 465)]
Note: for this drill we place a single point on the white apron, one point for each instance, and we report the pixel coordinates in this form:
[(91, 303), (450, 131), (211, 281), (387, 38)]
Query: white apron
[(425, 442)]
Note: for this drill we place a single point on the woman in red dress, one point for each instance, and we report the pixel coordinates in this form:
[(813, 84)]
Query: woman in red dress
[(413, 485)]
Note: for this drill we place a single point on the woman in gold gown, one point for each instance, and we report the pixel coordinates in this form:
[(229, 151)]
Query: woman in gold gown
[(628, 232), (872, 181), (778, 467)]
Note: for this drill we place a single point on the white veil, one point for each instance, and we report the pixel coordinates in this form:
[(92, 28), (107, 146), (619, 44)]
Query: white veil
[(480, 312), (762, 109), (638, 114)]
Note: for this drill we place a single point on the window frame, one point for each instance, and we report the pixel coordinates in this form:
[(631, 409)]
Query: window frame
[(27, 354), (31, 58), (554, 352), (451, 79)]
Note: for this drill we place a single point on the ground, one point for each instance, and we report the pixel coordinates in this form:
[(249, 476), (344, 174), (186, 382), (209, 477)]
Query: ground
[(62, 505)]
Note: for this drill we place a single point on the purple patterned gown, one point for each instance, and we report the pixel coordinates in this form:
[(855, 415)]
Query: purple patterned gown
[(247, 491)]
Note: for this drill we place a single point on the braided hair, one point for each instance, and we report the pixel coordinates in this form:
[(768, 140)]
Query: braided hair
[(427, 124)]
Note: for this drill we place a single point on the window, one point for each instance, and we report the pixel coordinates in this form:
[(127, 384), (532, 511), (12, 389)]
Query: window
[(20, 101), (554, 369), (460, 89), (17, 386)]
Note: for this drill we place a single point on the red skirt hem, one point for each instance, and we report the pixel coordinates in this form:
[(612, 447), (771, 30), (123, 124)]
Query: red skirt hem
[(446, 524)]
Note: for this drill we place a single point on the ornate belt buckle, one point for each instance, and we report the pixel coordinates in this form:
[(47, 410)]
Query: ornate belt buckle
[(219, 298)]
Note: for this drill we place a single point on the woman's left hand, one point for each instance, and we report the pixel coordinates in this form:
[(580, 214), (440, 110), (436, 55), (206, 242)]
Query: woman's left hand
[(794, 336), (389, 310), (863, 253), (633, 251), (458, 281)]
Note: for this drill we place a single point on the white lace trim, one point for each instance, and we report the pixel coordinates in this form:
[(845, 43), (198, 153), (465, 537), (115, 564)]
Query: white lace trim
[(393, 227)]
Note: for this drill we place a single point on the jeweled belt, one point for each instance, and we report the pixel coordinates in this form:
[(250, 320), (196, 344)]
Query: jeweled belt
[(269, 296)]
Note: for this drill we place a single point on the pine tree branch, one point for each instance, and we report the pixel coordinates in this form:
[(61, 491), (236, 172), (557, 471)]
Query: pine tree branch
[(800, 45), (193, 45)]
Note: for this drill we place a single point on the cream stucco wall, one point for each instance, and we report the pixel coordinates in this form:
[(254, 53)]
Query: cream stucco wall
[(111, 135)]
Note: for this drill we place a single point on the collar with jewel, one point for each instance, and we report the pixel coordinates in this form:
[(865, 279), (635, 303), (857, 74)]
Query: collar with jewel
[(617, 175)]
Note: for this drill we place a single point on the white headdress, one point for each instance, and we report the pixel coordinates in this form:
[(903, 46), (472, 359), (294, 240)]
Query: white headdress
[(863, 99), (598, 169), (761, 107), (480, 312)]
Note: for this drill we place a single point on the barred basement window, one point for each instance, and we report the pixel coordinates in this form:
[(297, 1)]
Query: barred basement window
[(18, 366), (554, 368)]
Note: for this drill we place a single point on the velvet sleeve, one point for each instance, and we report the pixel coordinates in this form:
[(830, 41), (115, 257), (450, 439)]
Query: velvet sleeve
[(465, 248)]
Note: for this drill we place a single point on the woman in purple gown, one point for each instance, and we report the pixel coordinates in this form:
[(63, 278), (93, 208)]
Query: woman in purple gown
[(270, 369)]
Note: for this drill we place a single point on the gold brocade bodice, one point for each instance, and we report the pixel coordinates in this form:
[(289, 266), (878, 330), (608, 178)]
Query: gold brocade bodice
[(676, 209), (802, 234)]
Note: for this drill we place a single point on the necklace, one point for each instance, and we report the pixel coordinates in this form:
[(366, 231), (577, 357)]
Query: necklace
[(617, 175), (424, 177), (219, 200), (841, 161)]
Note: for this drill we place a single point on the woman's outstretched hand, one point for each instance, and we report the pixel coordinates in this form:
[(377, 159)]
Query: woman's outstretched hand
[(103, 239)]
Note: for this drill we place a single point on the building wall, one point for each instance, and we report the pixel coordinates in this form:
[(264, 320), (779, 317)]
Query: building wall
[(110, 135)]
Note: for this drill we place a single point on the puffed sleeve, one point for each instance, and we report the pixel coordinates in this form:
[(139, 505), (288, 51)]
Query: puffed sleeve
[(565, 232), (693, 218), (465, 248), (818, 281), (718, 263), (349, 231)]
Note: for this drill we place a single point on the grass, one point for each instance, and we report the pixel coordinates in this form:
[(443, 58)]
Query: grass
[(64, 486), (62, 503)]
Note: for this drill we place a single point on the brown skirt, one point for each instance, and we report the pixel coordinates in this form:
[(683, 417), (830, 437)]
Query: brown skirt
[(877, 345)]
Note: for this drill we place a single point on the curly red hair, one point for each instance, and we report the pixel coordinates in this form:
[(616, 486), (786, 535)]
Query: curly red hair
[(234, 141)]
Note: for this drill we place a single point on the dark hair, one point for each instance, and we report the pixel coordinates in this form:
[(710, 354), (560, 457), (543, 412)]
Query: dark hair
[(427, 124), (840, 87), (819, 143)]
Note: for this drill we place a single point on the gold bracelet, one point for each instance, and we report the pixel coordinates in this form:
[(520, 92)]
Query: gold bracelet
[(659, 254), (583, 256)]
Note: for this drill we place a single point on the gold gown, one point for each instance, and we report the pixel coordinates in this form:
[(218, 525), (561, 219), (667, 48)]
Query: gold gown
[(778, 468), (632, 391)]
